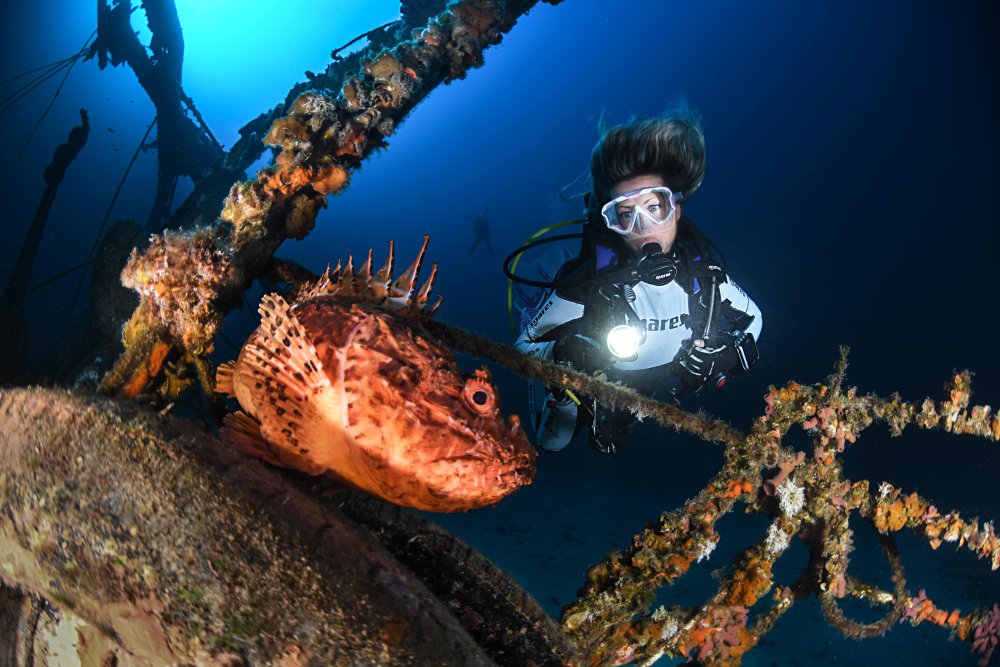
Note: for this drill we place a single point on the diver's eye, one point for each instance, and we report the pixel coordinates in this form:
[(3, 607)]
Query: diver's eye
[(479, 396)]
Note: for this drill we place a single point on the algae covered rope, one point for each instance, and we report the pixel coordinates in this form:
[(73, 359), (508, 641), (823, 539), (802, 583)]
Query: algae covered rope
[(612, 395)]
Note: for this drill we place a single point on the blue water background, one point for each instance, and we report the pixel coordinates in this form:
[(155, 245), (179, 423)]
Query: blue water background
[(852, 170)]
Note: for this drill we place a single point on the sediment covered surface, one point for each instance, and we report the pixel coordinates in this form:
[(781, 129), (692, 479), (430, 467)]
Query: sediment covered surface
[(170, 548)]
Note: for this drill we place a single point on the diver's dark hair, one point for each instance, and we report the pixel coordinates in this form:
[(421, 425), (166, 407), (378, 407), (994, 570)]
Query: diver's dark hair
[(671, 146)]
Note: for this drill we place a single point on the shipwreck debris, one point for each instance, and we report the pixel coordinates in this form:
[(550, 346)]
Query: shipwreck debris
[(169, 547)]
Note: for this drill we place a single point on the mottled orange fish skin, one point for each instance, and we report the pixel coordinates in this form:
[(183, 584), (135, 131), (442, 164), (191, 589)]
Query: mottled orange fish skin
[(418, 440), (401, 427)]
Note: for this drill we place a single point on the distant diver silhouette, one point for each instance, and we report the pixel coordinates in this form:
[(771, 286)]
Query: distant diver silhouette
[(481, 228)]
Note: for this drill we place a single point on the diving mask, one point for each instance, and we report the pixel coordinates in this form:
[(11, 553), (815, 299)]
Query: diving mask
[(643, 207)]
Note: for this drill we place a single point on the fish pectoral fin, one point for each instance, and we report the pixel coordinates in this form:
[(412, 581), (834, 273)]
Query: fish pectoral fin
[(243, 432), (224, 379), (294, 398)]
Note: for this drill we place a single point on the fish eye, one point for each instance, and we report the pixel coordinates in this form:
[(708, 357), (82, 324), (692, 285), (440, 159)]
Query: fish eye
[(479, 396)]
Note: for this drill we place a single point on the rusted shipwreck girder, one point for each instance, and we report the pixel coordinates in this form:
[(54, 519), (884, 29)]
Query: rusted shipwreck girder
[(188, 280)]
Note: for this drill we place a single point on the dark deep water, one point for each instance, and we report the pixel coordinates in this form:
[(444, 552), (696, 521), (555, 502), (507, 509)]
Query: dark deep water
[(852, 163)]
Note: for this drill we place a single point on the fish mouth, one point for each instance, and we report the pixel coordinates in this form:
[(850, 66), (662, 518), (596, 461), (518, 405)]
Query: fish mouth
[(518, 476), (525, 472), (520, 469)]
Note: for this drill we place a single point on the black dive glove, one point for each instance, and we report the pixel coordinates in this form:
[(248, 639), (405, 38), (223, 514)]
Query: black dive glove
[(581, 352), (703, 365)]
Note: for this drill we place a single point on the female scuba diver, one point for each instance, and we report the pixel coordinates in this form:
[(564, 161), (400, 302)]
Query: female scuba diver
[(648, 301)]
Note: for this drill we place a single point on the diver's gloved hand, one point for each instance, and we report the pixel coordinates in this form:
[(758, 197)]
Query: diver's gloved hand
[(701, 364), (581, 352)]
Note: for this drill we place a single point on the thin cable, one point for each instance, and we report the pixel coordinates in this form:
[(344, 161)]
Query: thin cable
[(24, 90), (54, 65), (51, 71), (52, 101), (333, 54), (189, 103), (52, 279)]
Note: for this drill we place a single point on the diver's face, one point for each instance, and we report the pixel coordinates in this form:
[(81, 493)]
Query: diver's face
[(664, 234)]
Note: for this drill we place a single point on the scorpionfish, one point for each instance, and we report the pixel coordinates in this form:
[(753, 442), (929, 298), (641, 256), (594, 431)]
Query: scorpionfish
[(347, 382)]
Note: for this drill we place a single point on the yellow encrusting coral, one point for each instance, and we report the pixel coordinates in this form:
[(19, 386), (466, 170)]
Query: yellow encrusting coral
[(178, 278)]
